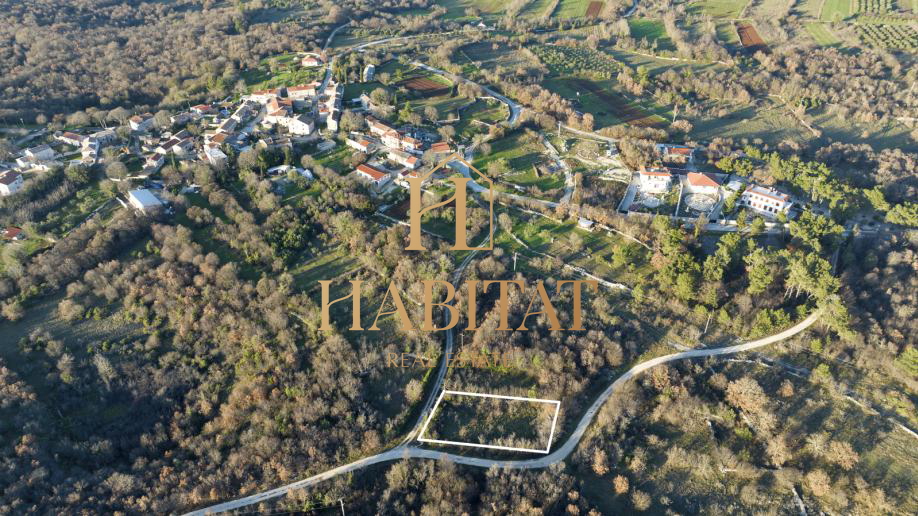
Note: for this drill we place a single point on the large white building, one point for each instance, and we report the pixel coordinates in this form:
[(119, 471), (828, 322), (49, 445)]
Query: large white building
[(376, 178), (144, 201), (766, 201), (655, 180), (10, 182)]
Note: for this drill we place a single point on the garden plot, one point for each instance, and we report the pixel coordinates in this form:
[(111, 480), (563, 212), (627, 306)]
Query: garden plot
[(476, 420)]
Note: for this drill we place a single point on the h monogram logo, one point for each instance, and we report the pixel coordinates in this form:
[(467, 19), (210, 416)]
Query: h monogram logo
[(417, 210)]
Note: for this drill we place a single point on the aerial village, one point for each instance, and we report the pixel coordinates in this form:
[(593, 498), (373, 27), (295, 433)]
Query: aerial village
[(306, 119)]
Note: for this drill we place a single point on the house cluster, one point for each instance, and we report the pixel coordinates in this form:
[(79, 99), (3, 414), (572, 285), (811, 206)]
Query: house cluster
[(762, 200), (400, 153)]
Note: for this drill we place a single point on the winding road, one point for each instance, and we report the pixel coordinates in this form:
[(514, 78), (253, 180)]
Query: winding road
[(403, 451)]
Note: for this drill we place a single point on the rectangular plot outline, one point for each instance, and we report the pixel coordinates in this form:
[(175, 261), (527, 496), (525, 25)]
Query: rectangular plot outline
[(551, 435)]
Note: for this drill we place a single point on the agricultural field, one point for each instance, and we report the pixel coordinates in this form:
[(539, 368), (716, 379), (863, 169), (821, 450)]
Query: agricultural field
[(726, 32), (563, 60), (457, 8), (537, 9), (822, 33), (809, 8), (835, 10), (488, 56), (872, 6), (901, 37), (720, 8), (749, 37), (652, 30), (426, 86), (572, 9), (594, 9), (602, 100)]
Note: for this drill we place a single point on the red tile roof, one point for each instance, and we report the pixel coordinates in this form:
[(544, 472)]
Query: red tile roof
[(702, 179), (440, 147), (372, 172), (656, 172), (11, 232)]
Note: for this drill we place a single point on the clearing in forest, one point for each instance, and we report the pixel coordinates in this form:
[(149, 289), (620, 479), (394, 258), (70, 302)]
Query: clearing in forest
[(475, 420)]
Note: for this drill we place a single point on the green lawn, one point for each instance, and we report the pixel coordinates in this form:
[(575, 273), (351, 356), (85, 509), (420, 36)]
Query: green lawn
[(720, 8), (519, 154), (334, 159), (835, 10), (571, 9), (652, 31), (822, 34), (528, 178)]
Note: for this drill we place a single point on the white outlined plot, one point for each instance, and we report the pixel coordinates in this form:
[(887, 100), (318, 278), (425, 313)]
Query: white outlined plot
[(551, 435)]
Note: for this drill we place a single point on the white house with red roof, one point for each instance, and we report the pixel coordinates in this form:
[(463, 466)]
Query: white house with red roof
[(10, 182), (702, 183), (655, 179), (766, 201), (375, 177), (141, 123), (404, 159), (670, 153), (201, 109), (360, 144), (71, 138), (311, 60)]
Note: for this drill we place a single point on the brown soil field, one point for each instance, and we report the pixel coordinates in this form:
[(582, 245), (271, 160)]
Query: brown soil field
[(749, 37), (620, 107), (426, 86), (593, 9)]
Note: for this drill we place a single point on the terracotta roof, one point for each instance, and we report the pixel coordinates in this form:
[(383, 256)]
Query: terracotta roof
[(685, 151), (659, 172), (370, 171), (440, 147), (11, 232), (702, 179)]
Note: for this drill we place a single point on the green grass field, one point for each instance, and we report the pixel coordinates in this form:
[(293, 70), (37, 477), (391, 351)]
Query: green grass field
[(822, 34), (535, 8), (571, 9), (528, 178), (519, 154), (835, 10), (652, 30), (457, 8), (720, 8)]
